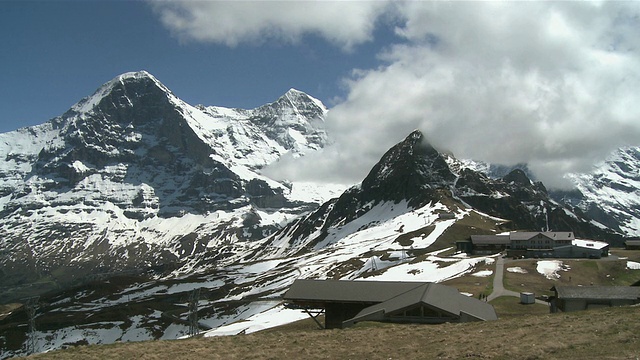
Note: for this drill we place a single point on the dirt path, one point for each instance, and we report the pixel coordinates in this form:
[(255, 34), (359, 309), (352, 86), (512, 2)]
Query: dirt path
[(498, 287), (498, 284)]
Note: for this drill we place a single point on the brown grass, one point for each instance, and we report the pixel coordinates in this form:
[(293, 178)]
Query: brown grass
[(601, 334), (582, 272), (473, 284), (510, 306)]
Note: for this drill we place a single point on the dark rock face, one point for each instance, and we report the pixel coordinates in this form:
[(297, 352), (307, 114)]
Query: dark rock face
[(411, 171), (133, 153), (415, 172), (526, 204), (136, 124)]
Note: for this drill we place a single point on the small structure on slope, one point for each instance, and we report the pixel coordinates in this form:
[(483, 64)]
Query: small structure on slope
[(632, 244), (347, 302), (527, 298), (575, 298)]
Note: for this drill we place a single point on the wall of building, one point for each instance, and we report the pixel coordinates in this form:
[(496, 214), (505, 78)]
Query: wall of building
[(336, 313), (568, 305)]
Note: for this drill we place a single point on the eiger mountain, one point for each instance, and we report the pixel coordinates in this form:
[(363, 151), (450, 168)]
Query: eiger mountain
[(133, 178), (150, 198)]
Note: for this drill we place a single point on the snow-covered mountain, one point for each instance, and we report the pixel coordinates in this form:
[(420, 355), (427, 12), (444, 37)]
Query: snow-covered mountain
[(371, 231), (413, 175), (610, 193), (400, 223), (138, 198), (133, 178)]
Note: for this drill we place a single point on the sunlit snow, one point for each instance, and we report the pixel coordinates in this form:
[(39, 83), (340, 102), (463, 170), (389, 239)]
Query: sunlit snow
[(517, 269), (551, 268), (632, 265)]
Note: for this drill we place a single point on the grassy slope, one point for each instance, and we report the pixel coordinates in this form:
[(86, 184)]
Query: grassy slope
[(583, 272), (603, 334), (523, 331)]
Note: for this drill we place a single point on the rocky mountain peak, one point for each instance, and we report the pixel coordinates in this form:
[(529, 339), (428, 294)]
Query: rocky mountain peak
[(517, 177), (610, 193), (293, 116), (294, 104), (409, 170), (303, 101), (103, 186), (126, 90)]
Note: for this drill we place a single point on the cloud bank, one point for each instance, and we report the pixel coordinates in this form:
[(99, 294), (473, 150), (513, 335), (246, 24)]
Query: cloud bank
[(345, 23), (551, 84)]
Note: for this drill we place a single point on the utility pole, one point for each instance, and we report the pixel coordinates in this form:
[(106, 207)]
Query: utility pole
[(31, 306), (194, 297)]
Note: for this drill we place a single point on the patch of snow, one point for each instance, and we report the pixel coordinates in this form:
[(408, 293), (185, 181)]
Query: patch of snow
[(79, 167), (429, 271), (517, 269), (551, 268), (632, 265), (315, 192), (483, 273), (275, 316)]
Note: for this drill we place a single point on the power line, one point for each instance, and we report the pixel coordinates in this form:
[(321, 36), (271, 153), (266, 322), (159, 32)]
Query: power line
[(31, 307), (194, 298)]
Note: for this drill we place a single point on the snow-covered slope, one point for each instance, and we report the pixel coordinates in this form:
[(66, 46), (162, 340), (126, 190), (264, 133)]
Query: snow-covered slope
[(611, 192), (132, 178), (152, 197), (400, 223)]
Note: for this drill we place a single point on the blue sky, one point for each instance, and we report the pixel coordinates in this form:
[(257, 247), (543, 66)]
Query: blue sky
[(551, 84), (56, 52)]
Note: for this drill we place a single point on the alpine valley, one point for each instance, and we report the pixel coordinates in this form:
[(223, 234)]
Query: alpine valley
[(116, 211)]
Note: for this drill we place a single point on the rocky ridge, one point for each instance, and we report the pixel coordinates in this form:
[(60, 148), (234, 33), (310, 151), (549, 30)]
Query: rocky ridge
[(400, 222), (133, 178)]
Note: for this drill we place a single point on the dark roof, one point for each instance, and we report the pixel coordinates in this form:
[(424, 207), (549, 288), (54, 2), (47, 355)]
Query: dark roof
[(597, 292), (346, 291), (445, 298), (490, 239), (553, 235), (632, 242), (389, 296)]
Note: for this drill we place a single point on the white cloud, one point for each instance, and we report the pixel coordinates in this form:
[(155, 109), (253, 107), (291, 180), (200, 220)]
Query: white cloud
[(553, 84), (550, 84), (345, 23)]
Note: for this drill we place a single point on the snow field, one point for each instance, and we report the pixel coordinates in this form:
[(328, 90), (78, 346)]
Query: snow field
[(551, 268)]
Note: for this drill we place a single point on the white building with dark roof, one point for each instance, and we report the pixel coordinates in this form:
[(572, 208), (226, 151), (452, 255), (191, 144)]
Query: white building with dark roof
[(545, 244)]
